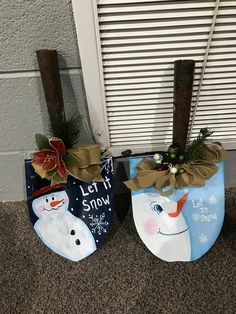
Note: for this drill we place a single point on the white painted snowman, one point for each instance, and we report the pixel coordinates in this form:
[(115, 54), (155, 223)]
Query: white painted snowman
[(61, 231), (162, 226)]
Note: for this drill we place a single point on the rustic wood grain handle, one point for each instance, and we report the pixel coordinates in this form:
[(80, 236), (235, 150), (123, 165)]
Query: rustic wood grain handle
[(49, 69), (183, 87)]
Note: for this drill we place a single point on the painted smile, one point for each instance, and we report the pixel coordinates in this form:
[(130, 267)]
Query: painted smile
[(54, 208), (172, 234)]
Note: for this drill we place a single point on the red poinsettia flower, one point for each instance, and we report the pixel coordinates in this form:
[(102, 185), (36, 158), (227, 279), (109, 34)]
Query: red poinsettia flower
[(58, 145), (50, 159)]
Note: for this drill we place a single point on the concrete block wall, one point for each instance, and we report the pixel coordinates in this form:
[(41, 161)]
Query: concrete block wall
[(25, 26)]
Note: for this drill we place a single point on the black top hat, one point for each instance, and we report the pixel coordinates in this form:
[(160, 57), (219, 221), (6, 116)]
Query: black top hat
[(41, 186)]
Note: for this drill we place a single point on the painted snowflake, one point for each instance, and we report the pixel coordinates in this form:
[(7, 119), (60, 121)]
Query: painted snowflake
[(213, 200), (195, 217), (98, 224), (107, 164), (202, 238)]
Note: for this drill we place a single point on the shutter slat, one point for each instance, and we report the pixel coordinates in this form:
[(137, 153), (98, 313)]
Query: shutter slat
[(153, 16), (165, 32), (154, 73), (205, 90), (164, 113), (159, 32), (166, 135), (168, 130), (147, 7), (166, 66), (168, 125), (102, 2), (139, 40), (165, 139), (141, 104), (160, 53), (166, 84), (153, 46), (156, 24), (163, 23), (166, 78), (217, 94), (155, 39), (199, 120), (202, 111), (162, 59), (169, 14), (227, 104)]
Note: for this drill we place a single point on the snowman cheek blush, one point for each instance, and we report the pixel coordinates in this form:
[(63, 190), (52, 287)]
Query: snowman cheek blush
[(41, 208), (151, 227)]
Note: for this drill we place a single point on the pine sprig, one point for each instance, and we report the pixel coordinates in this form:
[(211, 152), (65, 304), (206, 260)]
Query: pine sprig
[(73, 128), (68, 131), (196, 148)]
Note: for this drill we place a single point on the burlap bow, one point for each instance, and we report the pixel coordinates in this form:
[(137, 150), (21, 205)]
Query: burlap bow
[(194, 173), (88, 167), (214, 152)]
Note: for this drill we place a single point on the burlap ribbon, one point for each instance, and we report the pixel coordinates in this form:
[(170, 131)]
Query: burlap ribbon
[(81, 162), (214, 152), (194, 173), (88, 167)]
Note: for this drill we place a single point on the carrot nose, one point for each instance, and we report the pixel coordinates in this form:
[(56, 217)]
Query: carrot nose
[(53, 204), (180, 205)]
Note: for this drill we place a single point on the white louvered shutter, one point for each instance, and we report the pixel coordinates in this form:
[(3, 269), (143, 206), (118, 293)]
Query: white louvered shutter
[(137, 43)]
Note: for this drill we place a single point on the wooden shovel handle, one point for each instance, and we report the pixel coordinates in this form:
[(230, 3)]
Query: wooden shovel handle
[(49, 69), (183, 87)]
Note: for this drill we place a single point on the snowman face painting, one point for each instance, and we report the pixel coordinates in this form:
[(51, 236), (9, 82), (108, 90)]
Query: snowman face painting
[(61, 231), (162, 226), (57, 201)]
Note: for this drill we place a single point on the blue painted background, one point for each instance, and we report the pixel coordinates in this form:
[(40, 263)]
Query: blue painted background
[(204, 208)]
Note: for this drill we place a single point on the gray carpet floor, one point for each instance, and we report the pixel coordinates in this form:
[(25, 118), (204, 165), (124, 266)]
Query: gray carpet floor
[(121, 277)]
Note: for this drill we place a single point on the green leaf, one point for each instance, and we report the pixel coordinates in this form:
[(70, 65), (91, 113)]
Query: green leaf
[(57, 179), (42, 141), (70, 160), (51, 173)]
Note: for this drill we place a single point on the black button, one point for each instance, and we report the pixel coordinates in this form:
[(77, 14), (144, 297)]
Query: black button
[(77, 242), (72, 232)]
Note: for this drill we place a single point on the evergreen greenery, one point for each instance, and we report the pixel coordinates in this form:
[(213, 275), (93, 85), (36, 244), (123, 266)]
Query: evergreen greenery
[(68, 131), (196, 148), (73, 129), (194, 152)]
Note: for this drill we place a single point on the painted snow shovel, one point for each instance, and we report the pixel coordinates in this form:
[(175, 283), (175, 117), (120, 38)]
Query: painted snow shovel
[(178, 195), (69, 186)]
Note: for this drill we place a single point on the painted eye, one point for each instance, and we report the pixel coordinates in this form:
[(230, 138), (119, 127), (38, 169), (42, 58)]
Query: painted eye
[(46, 200), (53, 198), (156, 207)]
